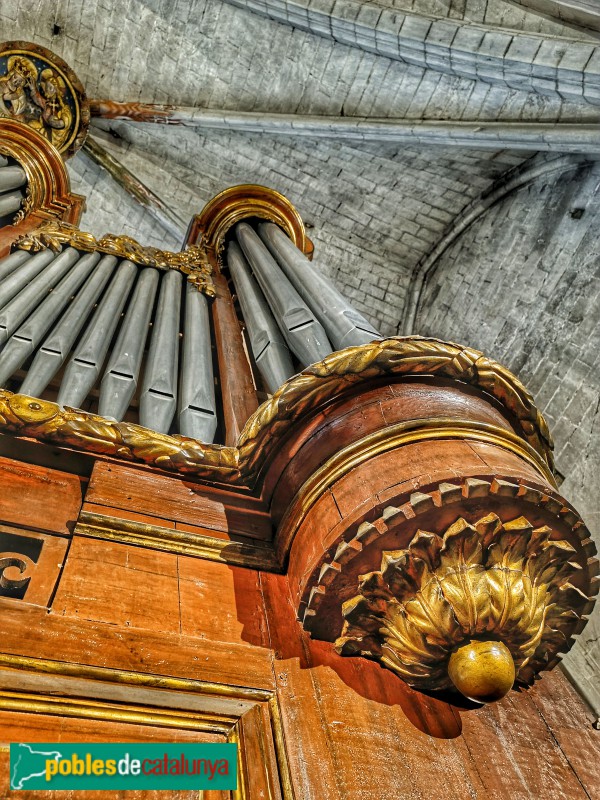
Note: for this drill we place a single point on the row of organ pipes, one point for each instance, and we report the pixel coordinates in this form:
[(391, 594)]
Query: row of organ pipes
[(288, 306), (92, 322), (13, 182)]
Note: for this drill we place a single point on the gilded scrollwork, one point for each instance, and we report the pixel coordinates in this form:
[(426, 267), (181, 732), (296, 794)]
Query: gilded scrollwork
[(192, 262), (27, 206), (486, 582)]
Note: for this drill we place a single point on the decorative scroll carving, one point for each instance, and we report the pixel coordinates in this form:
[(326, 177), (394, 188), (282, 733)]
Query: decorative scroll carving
[(486, 582), (15, 572), (191, 262), (27, 207), (297, 398), (39, 90)]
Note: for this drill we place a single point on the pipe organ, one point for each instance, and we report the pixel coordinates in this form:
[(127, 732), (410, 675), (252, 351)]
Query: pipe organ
[(364, 581)]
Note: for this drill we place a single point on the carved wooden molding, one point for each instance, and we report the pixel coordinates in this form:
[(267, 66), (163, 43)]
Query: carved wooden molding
[(297, 399), (237, 203), (48, 184), (242, 715)]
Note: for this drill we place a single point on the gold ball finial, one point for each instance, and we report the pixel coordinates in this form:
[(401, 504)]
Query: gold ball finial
[(484, 671)]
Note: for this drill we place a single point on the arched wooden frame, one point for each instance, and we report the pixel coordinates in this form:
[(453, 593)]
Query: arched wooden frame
[(49, 193), (243, 202)]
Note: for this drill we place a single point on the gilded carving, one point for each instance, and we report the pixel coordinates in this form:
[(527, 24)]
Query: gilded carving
[(439, 604), (48, 185), (191, 262), (39, 90), (297, 398), (40, 419), (237, 203), (411, 355)]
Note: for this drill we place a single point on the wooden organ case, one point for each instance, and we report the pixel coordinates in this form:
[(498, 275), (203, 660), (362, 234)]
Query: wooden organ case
[(231, 511)]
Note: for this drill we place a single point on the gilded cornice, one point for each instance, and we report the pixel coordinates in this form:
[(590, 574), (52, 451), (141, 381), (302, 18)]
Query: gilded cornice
[(244, 202), (191, 262), (296, 400)]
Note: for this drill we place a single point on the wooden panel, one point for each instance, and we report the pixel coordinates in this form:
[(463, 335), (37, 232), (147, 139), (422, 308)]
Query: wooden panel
[(46, 566), (570, 723), (37, 497), (210, 596), (136, 587), (70, 639), (50, 728), (169, 497), (119, 584)]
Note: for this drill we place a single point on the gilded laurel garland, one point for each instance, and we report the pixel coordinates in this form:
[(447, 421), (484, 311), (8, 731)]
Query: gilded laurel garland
[(40, 419), (491, 581), (192, 262), (412, 355), (296, 399)]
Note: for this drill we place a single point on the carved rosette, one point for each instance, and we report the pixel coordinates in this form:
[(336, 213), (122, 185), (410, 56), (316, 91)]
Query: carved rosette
[(489, 581), (490, 597), (39, 90)]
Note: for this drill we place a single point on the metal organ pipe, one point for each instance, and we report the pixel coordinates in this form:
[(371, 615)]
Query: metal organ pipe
[(9, 263), (24, 341), (55, 349), (21, 305), (121, 375), (344, 325), (268, 345), (86, 362), (18, 279), (197, 408), (10, 202), (305, 336), (12, 178), (158, 398)]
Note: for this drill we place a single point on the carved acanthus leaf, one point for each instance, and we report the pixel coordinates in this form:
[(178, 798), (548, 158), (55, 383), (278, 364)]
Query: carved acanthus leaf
[(503, 581)]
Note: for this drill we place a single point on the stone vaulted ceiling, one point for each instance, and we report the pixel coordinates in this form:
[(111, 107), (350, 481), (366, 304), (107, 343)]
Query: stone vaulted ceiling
[(392, 125)]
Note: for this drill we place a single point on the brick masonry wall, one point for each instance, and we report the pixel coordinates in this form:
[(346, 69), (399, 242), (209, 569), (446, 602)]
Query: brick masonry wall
[(523, 285)]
